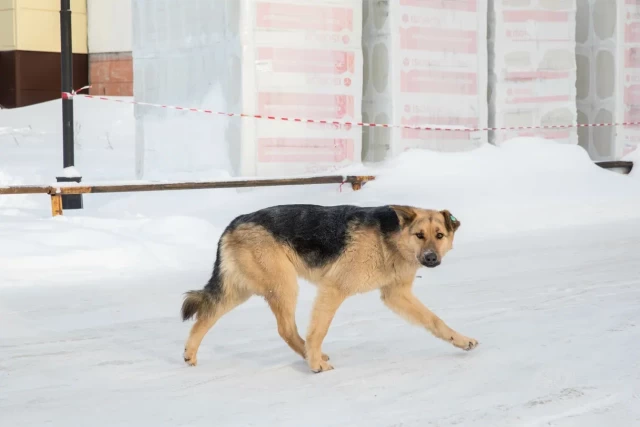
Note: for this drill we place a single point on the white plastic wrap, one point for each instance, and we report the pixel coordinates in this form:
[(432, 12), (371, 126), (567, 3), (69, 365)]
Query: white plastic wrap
[(532, 68), (425, 65), (608, 43), (291, 58)]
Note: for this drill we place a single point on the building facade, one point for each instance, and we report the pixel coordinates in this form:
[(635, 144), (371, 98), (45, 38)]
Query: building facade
[(30, 49), (109, 43)]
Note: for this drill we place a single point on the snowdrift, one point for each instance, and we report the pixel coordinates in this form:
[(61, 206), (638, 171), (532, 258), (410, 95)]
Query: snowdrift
[(523, 186)]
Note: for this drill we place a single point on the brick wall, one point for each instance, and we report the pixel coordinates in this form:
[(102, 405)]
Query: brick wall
[(111, 74)]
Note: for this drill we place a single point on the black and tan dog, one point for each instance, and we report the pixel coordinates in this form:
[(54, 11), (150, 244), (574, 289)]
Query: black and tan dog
[(343, 250)]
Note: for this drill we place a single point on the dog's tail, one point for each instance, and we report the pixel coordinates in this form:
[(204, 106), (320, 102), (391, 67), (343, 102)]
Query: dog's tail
[(201, 303)]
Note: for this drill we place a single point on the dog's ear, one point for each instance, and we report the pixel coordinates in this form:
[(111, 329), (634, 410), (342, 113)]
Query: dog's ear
[(406, 214), (451, 222)]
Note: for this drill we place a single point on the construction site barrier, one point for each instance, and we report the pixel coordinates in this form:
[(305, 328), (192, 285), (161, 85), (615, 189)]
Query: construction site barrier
[(57, 191)]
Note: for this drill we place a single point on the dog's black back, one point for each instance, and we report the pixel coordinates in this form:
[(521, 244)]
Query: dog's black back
[(318, 233)]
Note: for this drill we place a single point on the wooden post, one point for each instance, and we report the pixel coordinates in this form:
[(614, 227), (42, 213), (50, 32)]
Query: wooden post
[(56, 204), (358, 181)]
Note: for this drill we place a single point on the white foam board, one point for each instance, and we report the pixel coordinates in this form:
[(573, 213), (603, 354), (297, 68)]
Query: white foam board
[(532, 69), (608, 39), (287, 58), (425, 64)]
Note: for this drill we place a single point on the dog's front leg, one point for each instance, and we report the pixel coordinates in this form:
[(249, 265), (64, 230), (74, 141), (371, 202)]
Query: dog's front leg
[(403, 302), (324, 309)]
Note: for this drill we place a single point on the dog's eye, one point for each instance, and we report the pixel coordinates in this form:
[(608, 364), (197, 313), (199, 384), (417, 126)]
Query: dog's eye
[(439, 236), (420, 235)]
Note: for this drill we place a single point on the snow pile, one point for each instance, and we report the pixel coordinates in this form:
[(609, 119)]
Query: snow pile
[(6, 180), (31, 141), (525, 184), (70, 172), (55, 251), (12, 205)]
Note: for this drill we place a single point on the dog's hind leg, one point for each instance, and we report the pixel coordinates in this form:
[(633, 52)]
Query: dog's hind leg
[(283, 305), (205, 323)]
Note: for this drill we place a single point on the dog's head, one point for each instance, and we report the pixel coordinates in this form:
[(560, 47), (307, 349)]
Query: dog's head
[(425, 235)]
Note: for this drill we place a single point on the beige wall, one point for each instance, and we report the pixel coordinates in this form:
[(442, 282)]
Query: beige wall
[(34, 25), (109, 24), (7, 25)]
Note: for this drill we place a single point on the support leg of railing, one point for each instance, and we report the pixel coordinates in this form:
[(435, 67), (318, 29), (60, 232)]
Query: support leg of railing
[(56, 204), (358, 181)]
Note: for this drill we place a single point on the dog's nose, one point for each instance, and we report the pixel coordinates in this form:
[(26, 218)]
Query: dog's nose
[(430, 259)]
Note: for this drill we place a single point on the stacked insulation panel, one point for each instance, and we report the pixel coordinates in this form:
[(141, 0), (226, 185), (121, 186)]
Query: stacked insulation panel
[(608, 60), (285, 58), (532, 68), (425, 64)]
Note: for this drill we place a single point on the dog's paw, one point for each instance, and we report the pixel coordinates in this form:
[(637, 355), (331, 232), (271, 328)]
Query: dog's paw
[(190, 358), (471, 344), (464, 343), (325, 357), (321, 366)]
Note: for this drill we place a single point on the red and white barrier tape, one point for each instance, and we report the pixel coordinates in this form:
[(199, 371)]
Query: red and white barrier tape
[(67, 95)]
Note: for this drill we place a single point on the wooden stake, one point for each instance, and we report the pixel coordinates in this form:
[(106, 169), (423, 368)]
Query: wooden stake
[(358, 181), (56, 204)]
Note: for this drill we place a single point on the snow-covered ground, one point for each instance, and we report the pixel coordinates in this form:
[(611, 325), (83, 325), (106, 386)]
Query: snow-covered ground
[(545, 273)]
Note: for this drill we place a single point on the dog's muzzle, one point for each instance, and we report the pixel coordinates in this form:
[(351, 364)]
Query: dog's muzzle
[(430, 259)]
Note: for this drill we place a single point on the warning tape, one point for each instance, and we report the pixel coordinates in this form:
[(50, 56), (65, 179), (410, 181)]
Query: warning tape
[(72, 94)]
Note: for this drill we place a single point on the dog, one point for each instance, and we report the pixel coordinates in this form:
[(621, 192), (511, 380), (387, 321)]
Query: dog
[(343, 250)]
